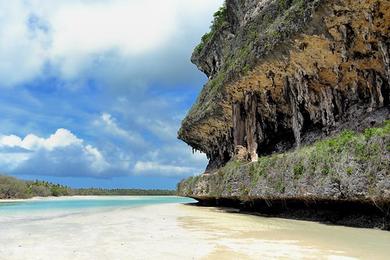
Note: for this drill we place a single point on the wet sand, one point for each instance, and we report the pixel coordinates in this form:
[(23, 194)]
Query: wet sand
[(173, 231)]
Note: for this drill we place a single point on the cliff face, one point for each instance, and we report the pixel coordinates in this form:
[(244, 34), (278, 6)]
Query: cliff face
[(283, 73), (342, 180)]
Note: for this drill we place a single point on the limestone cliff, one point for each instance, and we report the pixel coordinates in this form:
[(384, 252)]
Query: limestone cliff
[(284, 74)]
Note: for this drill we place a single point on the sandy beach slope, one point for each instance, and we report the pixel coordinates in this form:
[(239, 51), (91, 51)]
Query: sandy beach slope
[(174, 231)]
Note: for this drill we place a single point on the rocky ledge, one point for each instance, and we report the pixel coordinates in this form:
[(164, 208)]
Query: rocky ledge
[(344, 179), (284, 74)]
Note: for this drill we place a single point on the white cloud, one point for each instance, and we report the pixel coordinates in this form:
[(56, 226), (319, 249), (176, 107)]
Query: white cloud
[(64, 154), (61, 138), (83, 32), (165, 130), (171, 160), (132, 26), (179, 153), (199, 157), (22, 52), (10, 140), (111, 127), (149, 167), (96, 158), (61, 149), (111, 48), (9, 161), (74, 36)]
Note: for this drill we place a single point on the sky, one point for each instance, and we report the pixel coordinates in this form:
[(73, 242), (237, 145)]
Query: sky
[(92, 93)]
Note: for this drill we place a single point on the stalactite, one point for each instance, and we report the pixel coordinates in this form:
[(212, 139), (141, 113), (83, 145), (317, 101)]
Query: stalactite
[(251, 125), (238, 125), (384, 47), (297, 118), (245, 127)]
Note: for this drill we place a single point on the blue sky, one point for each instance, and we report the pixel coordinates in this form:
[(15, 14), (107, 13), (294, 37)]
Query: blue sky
[(92, 93)]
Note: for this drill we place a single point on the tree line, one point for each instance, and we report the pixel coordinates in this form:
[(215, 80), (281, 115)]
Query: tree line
[(13, 188)]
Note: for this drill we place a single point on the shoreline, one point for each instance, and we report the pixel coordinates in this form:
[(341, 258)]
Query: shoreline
[(182, 231), (80, 197), (356, 214), (316, 213)]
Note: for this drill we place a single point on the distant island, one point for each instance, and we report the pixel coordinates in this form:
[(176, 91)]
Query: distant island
[(13, 188)]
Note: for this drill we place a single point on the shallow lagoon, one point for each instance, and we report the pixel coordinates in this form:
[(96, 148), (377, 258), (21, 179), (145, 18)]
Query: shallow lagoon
[(163, 228), (87, 202)]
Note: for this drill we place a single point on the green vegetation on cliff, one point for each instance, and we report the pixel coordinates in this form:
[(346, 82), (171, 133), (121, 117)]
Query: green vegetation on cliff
[(349, 165), (346, 153), (217, 24)]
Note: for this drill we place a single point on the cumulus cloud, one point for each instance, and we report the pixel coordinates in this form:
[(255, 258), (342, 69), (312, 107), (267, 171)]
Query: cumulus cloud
[(117, 71), (110, 126), (163, 129), (149, 167), (11, 160), (61, 138), (22, 48), (74, 38), (54, 155), (64, 154), (171, 160), (133, 27)]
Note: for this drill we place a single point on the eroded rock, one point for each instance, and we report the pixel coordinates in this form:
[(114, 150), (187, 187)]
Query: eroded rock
[(286, 73)]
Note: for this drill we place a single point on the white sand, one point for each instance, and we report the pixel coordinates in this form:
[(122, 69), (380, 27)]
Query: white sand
[(172, 231)]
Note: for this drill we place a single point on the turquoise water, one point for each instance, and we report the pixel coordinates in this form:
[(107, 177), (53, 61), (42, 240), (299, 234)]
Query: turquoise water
[(79, 203)]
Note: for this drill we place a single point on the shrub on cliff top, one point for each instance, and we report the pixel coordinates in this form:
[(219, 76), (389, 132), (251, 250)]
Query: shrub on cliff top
[(220, 20)]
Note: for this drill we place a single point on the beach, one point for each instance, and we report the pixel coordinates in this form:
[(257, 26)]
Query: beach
[(180, 231)]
